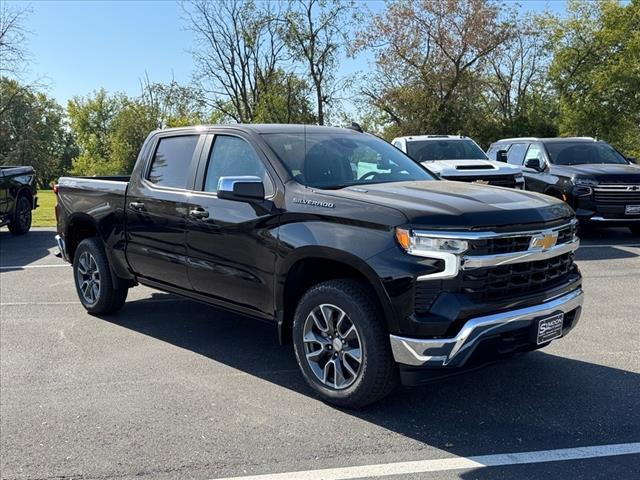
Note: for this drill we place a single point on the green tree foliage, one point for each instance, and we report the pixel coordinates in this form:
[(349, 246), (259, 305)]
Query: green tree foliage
[(285, 100), (596, 72), (429, 67), (33, 131)]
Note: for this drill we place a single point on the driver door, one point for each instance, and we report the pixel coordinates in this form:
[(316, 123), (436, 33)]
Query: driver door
[(535, 180)]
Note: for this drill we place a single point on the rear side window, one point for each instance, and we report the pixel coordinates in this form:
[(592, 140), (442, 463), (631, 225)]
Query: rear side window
[(515, 155), (170, 164)]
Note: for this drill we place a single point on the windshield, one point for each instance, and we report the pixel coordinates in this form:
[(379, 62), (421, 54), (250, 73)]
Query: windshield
[(433, 150), (580, 153), (337, 160)]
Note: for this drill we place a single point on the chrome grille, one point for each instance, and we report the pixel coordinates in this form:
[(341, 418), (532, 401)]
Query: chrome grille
[(617, 194)]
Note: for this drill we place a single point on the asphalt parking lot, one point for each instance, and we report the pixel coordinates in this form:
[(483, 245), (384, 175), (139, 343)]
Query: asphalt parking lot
[(169, 388)]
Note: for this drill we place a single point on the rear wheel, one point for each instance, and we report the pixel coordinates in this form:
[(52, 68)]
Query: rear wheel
[(21, 221), (341, 344), (635, 230), (94, 283)]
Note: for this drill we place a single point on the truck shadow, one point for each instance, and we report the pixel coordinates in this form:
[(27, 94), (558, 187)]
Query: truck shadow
[(20, 250), (536, 401)]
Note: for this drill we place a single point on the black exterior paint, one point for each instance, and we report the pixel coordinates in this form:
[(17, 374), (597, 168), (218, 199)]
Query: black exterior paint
[(241, 256), (14, 182), (560, 181)]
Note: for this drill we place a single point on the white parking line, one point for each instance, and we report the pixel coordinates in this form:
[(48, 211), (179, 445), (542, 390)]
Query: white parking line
[(611, 245), (21, 267), (77, 302), (452, 463)]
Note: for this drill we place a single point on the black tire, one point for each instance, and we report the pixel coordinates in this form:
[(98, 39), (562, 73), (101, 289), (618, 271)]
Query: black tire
[(377, 373), (91, 259), (635, 230), (21, 221)]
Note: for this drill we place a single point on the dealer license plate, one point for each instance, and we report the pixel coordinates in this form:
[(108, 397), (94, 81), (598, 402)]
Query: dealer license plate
[(550, 328), (632, 210)]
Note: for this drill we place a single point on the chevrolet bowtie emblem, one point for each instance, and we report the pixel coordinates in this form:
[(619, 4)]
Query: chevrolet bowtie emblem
[(544, 241)]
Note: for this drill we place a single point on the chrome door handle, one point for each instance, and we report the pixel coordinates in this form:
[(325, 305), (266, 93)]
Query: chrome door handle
[(136, 205), (199, 213)]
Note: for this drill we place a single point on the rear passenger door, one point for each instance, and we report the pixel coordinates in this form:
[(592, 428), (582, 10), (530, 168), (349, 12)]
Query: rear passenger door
[(231, 243), (156, 210)]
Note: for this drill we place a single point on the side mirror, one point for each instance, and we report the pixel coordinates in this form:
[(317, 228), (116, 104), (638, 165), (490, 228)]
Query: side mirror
[(632, 159), (534, 163), (243, 189), (501, 156)]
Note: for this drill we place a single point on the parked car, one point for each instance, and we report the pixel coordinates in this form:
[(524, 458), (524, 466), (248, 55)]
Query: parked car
[(601, 185), (454, 157), (374, 268), (18, 197)]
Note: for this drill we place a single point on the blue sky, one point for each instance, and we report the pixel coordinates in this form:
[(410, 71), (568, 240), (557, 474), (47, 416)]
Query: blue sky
[(80, 46)]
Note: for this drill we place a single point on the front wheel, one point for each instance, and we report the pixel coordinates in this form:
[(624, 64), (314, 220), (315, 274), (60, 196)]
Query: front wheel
[(94, 283), (342, 345), (21, 221)]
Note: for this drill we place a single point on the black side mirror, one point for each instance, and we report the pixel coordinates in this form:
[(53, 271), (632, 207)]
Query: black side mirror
[(244, 189), (534, 163), (501, 156), (632, 159)]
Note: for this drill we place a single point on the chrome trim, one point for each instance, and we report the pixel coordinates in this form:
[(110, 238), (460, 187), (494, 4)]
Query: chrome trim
[(454, 263), (602, 219), (617, 188), (226, 184), (469, 262), (62, 248), (485, 235), (454, 352)]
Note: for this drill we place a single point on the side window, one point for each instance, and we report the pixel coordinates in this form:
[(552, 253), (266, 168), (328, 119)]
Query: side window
[(515, 154), (170, 164), (491, 153), (233, 157), (534, 152)]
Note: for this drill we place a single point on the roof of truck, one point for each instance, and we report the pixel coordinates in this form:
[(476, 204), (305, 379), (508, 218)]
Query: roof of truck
[(268, 128), (549, 140)]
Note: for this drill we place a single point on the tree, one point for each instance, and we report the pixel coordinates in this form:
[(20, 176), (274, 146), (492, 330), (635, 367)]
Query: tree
[(91, 121), (429, 62), (518, 94), (596, 72), (12, 39), (285, 100), (316, 32), (239, 49), (172, 104), (33, 131)]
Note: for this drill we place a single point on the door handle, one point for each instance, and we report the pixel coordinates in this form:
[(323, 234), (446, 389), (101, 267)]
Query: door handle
[(136, 205), (199, 213)]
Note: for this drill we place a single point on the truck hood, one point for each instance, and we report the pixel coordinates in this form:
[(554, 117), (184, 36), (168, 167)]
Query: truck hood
[(602, 173), (460, 168), (443, 204)]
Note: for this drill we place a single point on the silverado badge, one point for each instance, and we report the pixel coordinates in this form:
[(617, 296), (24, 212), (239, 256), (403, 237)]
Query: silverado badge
[(544, 241), (482, 182)]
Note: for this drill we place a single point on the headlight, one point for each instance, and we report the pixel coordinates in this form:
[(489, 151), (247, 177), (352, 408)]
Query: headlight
[(583, 186), (425, 246), (585, 182)]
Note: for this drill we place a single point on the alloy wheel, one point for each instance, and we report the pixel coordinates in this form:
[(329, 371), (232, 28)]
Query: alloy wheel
[(332, 346), (88, 276)]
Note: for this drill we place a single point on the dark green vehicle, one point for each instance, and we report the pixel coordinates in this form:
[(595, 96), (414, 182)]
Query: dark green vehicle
[(17, 198)]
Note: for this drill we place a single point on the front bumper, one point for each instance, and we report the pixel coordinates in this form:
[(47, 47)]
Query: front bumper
[(454, 352)]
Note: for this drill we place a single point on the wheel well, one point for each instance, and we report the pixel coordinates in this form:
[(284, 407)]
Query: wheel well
[(77, 231), (306, 273), (25, 192)]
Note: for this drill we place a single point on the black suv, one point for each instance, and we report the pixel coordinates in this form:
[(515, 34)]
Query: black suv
[(601, 185)]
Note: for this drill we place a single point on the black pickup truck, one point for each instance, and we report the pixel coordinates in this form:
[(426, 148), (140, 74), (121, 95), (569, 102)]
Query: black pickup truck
[(374, 269), (601, 185), (18, 197)]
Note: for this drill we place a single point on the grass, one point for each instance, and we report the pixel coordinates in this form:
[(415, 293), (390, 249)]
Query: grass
[(44, 215)]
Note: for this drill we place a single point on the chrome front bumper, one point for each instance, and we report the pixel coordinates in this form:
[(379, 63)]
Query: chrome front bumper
[(62, 248), (454, 352)]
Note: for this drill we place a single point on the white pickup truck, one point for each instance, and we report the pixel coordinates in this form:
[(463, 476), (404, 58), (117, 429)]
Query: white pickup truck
[(454, 157)]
